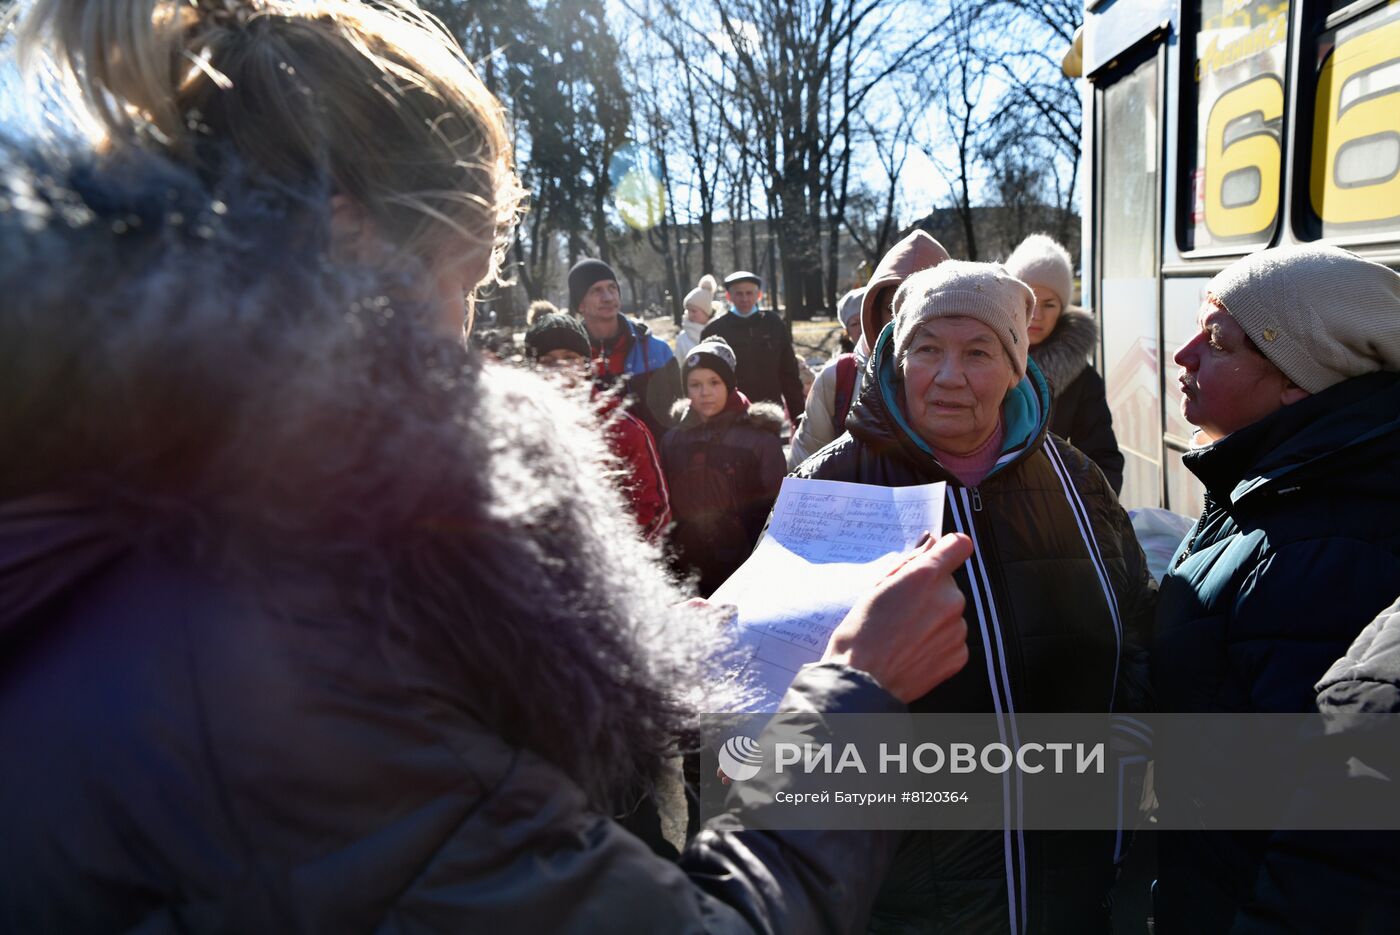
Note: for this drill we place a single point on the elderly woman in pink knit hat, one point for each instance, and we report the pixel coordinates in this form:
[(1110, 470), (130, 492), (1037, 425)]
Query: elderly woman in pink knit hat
[(1062, 339), (1058, 594)]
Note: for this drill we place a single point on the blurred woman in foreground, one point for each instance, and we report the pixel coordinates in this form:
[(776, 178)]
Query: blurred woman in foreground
[(308, 620)]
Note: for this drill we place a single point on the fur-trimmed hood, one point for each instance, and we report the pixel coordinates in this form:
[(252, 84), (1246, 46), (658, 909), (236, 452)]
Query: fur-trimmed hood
[(183, 369), (1063, 355), (766, 417)]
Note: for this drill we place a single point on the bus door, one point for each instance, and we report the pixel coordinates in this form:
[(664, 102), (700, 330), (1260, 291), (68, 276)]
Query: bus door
[(1127, 106)]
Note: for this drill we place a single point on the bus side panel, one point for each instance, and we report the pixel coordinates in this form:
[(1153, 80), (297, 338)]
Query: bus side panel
[(1131, 372), (1181, 300)]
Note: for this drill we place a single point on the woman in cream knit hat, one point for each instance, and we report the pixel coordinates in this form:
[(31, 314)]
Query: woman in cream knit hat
[(699, 309), (1062, 338)]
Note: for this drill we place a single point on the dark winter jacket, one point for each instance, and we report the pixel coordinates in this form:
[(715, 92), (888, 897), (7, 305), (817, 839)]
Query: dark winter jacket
[(1059, 600), (312, 622), (1080, 412), (1296, 551), (1328, 882), (767, 367), (723, 476), (646, 369)]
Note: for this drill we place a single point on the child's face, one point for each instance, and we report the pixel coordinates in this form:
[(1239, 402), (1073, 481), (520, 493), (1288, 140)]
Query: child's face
[(569, 366), (706, 391)]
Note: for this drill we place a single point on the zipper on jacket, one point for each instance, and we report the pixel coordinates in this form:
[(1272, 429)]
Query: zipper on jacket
[(997, 644), (1207, 508)]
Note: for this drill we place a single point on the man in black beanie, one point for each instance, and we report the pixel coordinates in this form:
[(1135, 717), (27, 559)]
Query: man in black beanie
[(623, 349)]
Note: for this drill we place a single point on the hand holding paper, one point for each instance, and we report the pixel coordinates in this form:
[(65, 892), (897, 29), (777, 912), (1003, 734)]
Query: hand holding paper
[(832, 547), (909, 632)]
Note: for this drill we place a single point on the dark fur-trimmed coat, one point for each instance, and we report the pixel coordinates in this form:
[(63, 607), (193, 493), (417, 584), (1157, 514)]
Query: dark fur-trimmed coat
[(312, 622), (1079, 413), (723, 476)]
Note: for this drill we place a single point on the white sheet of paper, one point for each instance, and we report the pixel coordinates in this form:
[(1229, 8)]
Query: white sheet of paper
[(827, 544)]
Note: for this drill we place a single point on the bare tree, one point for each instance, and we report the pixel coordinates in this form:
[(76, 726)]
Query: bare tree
[(794, 77), (871, 217), (1042, 106), (962, 114)]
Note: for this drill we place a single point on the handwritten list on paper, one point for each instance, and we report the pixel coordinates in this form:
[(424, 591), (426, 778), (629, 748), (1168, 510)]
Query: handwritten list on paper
[(827, 545)]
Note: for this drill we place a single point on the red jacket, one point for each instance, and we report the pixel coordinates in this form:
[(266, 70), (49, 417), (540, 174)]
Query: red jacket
[(631, 442)]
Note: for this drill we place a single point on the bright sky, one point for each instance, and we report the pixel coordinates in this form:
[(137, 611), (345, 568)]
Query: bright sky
[(921, 185)]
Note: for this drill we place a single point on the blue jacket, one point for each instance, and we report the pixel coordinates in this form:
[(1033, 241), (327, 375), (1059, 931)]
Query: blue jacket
[(647, 370), (648, 352), (1297, 550)]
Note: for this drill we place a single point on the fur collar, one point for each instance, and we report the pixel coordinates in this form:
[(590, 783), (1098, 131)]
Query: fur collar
[(766, 417), (1063, 356), (193, 363)]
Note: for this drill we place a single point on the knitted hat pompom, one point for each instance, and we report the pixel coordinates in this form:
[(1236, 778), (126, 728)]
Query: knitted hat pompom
[(555, 331), (702, 297)]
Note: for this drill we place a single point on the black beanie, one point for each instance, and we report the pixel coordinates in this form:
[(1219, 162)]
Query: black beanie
[(553, 332), (583, 277), (713, 353)]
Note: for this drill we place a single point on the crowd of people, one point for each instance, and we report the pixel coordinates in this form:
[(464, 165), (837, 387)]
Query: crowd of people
[(313, 619)]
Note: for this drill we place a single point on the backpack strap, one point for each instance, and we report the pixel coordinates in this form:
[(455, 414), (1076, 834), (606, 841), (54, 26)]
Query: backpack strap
[(845, 390)]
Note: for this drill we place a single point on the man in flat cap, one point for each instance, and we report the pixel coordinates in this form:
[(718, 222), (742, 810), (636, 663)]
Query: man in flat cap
[(623, 350), (1293, 380), (767, 368)]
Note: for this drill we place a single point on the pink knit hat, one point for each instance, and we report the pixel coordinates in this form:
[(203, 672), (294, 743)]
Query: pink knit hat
[(984, 292)]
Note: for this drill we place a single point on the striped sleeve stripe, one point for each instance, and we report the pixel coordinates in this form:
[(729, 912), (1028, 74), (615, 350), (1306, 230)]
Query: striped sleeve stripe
[(1086, 531), (1013, 840)]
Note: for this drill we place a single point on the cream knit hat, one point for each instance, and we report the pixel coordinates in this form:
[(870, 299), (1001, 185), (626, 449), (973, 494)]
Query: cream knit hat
[(1320, 314), (702, 297), (1041, 261), (984, 292)]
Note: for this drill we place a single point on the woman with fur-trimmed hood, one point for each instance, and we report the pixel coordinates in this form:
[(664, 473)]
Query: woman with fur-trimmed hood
[(1062, 340), (724, 465), (312, 620)]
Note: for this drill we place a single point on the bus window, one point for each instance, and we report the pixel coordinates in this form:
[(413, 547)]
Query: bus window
[(1128, 261), (1353, 166), (1235, 157)]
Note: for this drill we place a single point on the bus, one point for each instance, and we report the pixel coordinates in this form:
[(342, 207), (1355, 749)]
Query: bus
[(1214, 128)]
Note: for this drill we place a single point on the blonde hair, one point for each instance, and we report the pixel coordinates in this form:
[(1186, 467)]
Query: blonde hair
[(373, 99)]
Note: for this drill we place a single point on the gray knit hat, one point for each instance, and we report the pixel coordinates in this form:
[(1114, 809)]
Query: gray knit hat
[(984, 292), (1041, 261), (1320, 314), (849, 306)]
